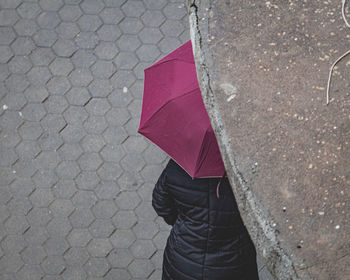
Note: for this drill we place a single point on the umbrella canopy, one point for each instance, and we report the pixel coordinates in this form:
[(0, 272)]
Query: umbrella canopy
[(174, 116)]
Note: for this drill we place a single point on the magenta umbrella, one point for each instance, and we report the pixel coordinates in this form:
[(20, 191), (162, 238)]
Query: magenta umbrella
[(174, 117)]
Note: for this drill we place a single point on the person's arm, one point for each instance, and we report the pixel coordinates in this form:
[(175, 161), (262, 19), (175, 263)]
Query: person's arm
[(162, 201)]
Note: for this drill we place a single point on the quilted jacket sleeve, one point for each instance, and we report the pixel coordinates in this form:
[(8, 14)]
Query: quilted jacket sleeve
[(162, 201)]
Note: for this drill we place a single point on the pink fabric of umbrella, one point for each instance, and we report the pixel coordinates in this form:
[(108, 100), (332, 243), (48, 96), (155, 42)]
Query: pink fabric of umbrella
[(174, 117)]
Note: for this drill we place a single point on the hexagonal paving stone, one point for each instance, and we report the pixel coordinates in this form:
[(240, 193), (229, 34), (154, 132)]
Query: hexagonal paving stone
[(117, 273), (28, 10), (84, 199), (153, 18), (41, 197), (10, 264), (28, 149), (145, 192), (106, 50), (16, 224), (120, 258), (76, 115), (70, 13), (148, 53), (109, 32), (101, 228), (125, 60), (91, 6), (39, 216), (39, 75), (124, 219), (145, 229), (7, 35), (97, 267), (100, 87), (56, 245), (64, 48), (141, 268), (78, 96), (133, 161), (172, 28), (135, 144), (72, 133), (33, 254), (61, 66), (98, 106), (103, 69), (76, 256), (81, 218), (92, 143), (154, 155), (90, 161), (70, 151), (29, 271), (45, 178), (112, 153), (128, 200), (86, 40), (48, 20), (115, 135), (45, 38), (51, 5), (20, 64), (128, 42), (5, 54), (99, 247), (122, 79), (130, 181), (18, 206), (160, 239), (143, 249), (150, 35), (89, 23), (87, 180), (80, 77), (61, 207), (145, 211), (151, 172), (22, 186), (78, 237), (22, 46), (16, 82), (55, 104), (155, 4), (47, 160), (122, 238), (117, 116), (104, 209), (131, 25), (36, 235), (42, 56), (13, 243), (95, 124), (64, 189), (53, 265), (112, 16), (107, 190)]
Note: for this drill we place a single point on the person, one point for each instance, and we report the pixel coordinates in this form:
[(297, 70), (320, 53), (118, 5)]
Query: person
[(208, 239)]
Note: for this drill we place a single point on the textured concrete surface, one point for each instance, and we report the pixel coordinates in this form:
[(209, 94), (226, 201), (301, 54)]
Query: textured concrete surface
[(263, 69), (75, 178)]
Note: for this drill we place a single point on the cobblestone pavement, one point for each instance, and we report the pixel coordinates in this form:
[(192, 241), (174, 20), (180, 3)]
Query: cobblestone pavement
[(76, 179)]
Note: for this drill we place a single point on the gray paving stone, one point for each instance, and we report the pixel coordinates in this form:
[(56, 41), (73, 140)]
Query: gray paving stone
[(41, 197), (39, 75), (107, 190), (131, 25), (16, 224), (68, 169), (155, 4), (153, 18), (97, 267), (122, 238), (45, 38), (123, 78), (145, 212), (99, 247), (87, 180), (10, 264), (109, 32), (34, 254), (64, 48), (124, 219), (56, 245), (84, 199), (80, 77), (83, 58), (72, 133), (81, 218), (133, 161), (115, 135), (36, 235), (22, 187), (101, 228), (160, 239), (50, 141), (150, 35), (114, 3), (24, 168), (64, 189), (77, 256), (13, 243), (76, 115), (8, 17), (47, 160), (30, 272), (26, 27), (78, 238), (145, 229), (87, 40), (143, 249), (90, 161), (10, 4), (53, 122), (118, 273), (120, 258), (14, 101), (133, 8), (61, 207), (145, 192), (92, 143), (4, 73), (95, 124), (112, 153), (16, 83), (53, 265), (100, 87), (89, 22), (157, 261), (70, 151), (91, 6), (151, 172), (67, 30), (70, 13), (74, 273), (128, 200), (39, 216), (78, 96), (28, 10), (125, 60), (135, 108), (48, 20), (20, 64), (104, 209), (117, 116), (141, 268), (103, 69), (45, 178), (135, 144), (42, 56), (6, 35), (98, 106), (130, 181), (28, 149), (128, 42), (148, 53), (59, 226), (5, 54), (118, 98), (55, 104), (7, 157), (61, 66), (51, 5), (111, 15), (106, 50)]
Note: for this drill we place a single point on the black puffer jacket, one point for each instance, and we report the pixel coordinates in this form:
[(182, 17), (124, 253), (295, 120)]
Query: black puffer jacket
[(208, 239)]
